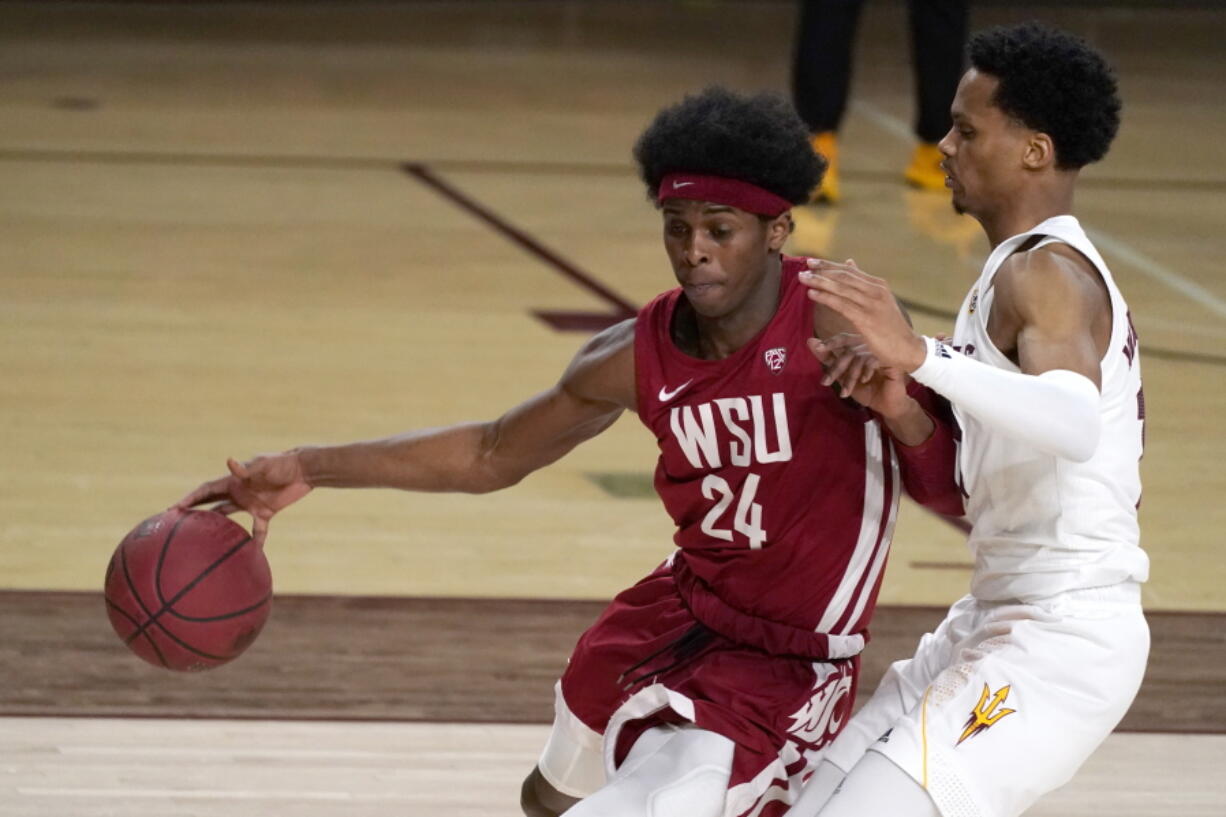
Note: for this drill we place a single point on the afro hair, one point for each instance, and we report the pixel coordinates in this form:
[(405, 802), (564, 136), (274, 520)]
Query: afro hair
[(758, 139), (1055, 83)]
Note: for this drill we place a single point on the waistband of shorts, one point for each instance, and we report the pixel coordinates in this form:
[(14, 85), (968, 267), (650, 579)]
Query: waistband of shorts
[(745, 628), (1126, 593), (1122, 593)]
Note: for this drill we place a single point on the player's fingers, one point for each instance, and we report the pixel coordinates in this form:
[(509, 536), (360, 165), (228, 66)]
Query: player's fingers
[(226, 508), (811, 276), (820, 350), (867, 364), (833, 272), (830, 348), (848, 307), (869, 370), (851, 263), (827, 269), (848, 282), (237, 468), (852, 378), (870, 286), (848, 268), (826, 263), (205, 492), (259, 528), (834, 372), (842, 341)]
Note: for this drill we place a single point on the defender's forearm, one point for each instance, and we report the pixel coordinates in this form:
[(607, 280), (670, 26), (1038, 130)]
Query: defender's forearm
[(1056, 411)]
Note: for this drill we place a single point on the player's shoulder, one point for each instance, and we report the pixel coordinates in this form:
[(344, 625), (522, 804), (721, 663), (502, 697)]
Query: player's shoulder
[(1050, 263), (603, 368), (1054, 271), (612, 340)]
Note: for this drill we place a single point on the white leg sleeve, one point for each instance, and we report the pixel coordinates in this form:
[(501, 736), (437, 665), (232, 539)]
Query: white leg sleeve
[(1056, 412), (670, 772), (877, 787)]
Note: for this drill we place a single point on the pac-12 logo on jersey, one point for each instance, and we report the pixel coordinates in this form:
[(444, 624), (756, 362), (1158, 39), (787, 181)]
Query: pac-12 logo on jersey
[(776, 358)]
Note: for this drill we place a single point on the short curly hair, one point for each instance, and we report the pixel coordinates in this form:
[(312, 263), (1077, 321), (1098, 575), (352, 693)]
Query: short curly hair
[(758, 139), (1053, 82)]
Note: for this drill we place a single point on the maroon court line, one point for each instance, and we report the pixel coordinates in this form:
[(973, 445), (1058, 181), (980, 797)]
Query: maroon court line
[(622, 308), (942, 565)]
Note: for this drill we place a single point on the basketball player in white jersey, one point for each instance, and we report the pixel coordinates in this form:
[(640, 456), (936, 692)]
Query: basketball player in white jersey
[(1028, 674)]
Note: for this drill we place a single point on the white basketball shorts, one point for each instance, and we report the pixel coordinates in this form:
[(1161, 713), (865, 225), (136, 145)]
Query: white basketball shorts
[(1005, 701)]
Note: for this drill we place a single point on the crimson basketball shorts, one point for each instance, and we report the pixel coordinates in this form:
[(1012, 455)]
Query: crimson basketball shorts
[(647, 661), (1005, 700)]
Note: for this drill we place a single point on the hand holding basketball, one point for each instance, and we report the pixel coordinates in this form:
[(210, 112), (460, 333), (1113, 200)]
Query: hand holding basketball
[(261, 487)]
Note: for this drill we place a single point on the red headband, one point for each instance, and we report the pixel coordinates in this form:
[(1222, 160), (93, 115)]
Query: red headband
[(722, 190)]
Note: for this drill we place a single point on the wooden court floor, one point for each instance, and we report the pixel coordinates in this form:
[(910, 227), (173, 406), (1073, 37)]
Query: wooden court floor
[(233, 228), (218, 768)]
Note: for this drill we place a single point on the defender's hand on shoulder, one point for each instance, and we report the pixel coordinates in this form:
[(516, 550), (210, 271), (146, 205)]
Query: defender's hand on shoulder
[(867, 302)]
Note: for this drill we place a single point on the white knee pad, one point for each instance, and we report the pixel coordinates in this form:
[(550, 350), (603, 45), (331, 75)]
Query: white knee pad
[(670, 772)]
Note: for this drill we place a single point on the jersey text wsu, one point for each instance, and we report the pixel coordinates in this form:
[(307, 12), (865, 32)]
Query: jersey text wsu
[(755, 438)]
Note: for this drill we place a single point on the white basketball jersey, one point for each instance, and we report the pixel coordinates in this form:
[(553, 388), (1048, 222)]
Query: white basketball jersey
[(1042, 525)]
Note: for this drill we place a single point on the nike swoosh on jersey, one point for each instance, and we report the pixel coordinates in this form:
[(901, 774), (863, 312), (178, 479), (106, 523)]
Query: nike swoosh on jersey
[(678, 185), (666, 395)]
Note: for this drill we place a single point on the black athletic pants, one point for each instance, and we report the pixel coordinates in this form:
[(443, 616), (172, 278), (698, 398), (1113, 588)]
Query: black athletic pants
[(821, 72)]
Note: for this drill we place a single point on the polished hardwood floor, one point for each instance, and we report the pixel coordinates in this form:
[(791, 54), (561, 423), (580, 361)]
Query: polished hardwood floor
[(238, 227)]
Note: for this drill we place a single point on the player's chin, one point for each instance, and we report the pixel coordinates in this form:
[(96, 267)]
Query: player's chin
[(708, 300)]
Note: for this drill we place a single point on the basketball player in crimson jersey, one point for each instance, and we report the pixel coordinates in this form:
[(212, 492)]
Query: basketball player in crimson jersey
[(710, 686), (1029, 673)]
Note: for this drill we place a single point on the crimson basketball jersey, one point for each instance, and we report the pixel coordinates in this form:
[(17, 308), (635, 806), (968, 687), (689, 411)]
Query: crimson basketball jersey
[(784, 494)]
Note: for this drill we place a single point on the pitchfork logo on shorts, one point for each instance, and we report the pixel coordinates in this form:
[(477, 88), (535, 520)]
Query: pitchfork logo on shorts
[(775, 358), (986, 713)]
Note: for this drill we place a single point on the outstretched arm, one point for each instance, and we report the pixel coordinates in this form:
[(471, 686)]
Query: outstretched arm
[(469, 457)]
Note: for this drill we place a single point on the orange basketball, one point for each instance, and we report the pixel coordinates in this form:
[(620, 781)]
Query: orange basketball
[(188, 590)]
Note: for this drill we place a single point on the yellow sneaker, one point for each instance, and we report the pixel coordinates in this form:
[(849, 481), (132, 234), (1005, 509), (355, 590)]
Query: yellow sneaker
[(827, 145), (924, 171)]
